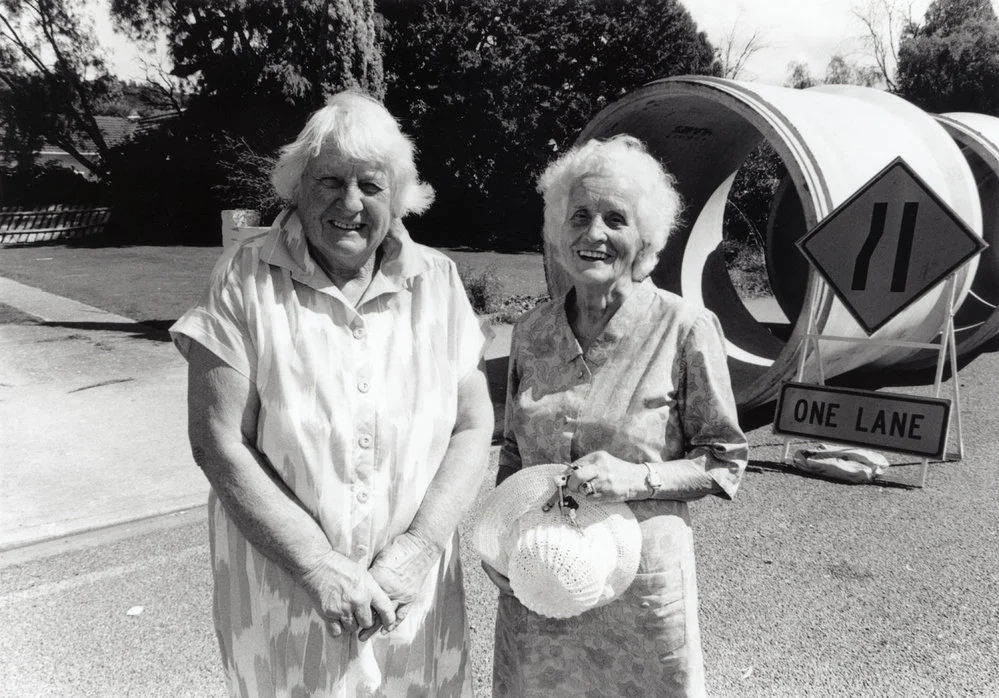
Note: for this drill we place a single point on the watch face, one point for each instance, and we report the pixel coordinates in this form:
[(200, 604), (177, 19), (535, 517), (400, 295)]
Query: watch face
[(652, 478)]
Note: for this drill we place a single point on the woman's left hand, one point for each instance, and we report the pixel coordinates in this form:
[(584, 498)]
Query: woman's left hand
[(599, 475), (401, 569)]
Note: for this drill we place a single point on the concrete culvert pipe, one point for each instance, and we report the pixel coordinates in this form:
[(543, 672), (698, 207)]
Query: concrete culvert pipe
[(831, 142), (976, 319)]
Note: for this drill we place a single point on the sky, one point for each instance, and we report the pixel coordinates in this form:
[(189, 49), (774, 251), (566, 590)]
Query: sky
[(806, 31)]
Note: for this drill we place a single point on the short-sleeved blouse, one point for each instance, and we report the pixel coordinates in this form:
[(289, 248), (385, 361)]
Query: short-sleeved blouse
[(357, 406), (653, 387)]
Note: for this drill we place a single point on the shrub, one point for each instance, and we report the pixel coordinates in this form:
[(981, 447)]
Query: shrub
[(246, 179), (512, 307), (483, 289), (747, 267), (50, 184)]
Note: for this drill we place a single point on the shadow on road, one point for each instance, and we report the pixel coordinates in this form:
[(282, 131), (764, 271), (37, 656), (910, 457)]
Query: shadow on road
[(153, 330)]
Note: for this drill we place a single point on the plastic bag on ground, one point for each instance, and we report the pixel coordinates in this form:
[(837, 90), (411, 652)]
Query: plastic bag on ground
[(842, 463)]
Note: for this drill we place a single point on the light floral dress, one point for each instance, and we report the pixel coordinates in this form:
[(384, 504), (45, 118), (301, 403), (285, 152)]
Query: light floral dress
[(653, 387), (357, 406)]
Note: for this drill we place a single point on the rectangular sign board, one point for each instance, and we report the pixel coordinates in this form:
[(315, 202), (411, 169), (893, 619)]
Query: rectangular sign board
[(888, 421)]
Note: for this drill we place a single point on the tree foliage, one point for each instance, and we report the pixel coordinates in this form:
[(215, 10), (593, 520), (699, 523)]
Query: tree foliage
[(493, 89), (950, 62), (294, 51), (799, 76), (840, 71), (52, 78), (258, 68)]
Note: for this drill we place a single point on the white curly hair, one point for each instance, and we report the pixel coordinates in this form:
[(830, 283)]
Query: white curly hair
[(360, 128), (648, 185)]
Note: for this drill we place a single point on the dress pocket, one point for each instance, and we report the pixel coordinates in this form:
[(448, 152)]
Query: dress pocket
[(659, 600)]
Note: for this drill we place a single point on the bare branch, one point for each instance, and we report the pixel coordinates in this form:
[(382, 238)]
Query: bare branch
[(172, 89), (883, 22), (733, 53)]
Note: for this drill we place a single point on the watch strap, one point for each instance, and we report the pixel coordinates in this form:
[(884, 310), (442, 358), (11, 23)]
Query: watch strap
[(652, 479)]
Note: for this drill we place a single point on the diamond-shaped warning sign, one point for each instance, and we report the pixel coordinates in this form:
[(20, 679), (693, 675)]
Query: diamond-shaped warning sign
[(888, 244)]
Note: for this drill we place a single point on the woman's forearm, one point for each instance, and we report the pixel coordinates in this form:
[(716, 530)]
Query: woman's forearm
[(682, 480), (459, 477), (267, 513), (223, 407)]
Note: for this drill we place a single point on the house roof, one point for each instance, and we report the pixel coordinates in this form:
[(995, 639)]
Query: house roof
[(116, 130)]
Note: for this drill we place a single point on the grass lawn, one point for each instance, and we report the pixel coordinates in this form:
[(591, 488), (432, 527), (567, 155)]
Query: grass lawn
[(807, 587), (155, 285)]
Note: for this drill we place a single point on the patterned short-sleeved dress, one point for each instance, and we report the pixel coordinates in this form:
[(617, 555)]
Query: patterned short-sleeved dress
[(357, 406), (653, 387)]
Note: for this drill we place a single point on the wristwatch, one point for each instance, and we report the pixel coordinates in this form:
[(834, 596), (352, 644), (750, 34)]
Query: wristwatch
[(652, 479)]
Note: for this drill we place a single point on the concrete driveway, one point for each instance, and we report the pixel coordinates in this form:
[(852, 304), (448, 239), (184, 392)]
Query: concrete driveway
[(94, 421)]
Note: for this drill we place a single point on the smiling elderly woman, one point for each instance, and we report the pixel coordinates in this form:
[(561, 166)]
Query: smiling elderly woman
[(338, 408), (627, 385)]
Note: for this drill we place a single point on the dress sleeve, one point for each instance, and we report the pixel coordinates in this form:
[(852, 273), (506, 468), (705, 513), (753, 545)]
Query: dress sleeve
[(715, 441), (219, 321), (469, 336)]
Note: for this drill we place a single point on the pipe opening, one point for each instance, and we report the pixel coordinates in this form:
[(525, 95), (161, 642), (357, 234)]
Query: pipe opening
[(716, 250), (825, 144)]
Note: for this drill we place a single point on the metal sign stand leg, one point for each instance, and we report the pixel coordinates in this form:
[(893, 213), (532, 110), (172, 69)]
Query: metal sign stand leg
[(803, 346), (946, 345)]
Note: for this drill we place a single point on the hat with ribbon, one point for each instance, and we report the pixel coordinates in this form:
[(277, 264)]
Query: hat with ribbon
[(561, 560)]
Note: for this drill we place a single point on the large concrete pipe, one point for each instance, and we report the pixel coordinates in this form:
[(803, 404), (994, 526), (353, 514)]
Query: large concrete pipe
[(976, 320), (832, 143)]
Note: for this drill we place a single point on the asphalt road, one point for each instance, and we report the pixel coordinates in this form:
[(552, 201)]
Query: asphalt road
[(807, 587), (891, 592), (66, 628)]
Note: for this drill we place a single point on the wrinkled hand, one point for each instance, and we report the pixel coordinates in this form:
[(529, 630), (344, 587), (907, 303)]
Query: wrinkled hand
[(612, 479), (497, 578), (347, 595), (401, 569)]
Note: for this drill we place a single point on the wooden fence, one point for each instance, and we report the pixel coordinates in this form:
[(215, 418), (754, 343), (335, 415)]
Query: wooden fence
[(50, 223)]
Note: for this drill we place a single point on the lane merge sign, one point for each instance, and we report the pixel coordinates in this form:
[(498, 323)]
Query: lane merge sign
[(888, 421), (888, 244)]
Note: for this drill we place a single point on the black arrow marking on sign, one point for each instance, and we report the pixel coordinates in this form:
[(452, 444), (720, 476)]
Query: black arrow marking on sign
[(904, 250), (863, 263)]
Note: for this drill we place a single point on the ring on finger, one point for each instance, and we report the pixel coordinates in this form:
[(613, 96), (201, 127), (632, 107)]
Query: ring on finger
[(587, 488)]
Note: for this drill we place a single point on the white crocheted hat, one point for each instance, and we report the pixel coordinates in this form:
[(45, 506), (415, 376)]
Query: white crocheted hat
[(556, 568)]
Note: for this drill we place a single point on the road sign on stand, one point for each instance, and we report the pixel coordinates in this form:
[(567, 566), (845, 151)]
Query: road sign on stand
[(889, 421), (888, 244)]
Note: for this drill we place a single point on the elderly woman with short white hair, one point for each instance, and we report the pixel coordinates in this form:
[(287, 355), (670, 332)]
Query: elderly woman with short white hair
[(627, 385), (339, 409)]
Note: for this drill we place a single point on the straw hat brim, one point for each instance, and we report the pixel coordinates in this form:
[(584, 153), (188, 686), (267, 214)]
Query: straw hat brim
[(513, 529)]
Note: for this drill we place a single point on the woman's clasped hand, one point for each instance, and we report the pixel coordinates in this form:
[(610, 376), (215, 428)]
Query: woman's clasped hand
[(348, 596), (603, 476)]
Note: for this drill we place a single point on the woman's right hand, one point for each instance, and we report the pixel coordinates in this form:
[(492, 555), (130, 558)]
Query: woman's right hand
[(502, 582), (347, 595)]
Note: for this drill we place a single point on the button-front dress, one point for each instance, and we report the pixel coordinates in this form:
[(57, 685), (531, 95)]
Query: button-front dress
[(357, 406), (653, 387)]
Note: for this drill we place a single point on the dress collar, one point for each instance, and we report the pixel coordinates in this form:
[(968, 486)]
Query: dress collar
[(286, 247), (620, 326)]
